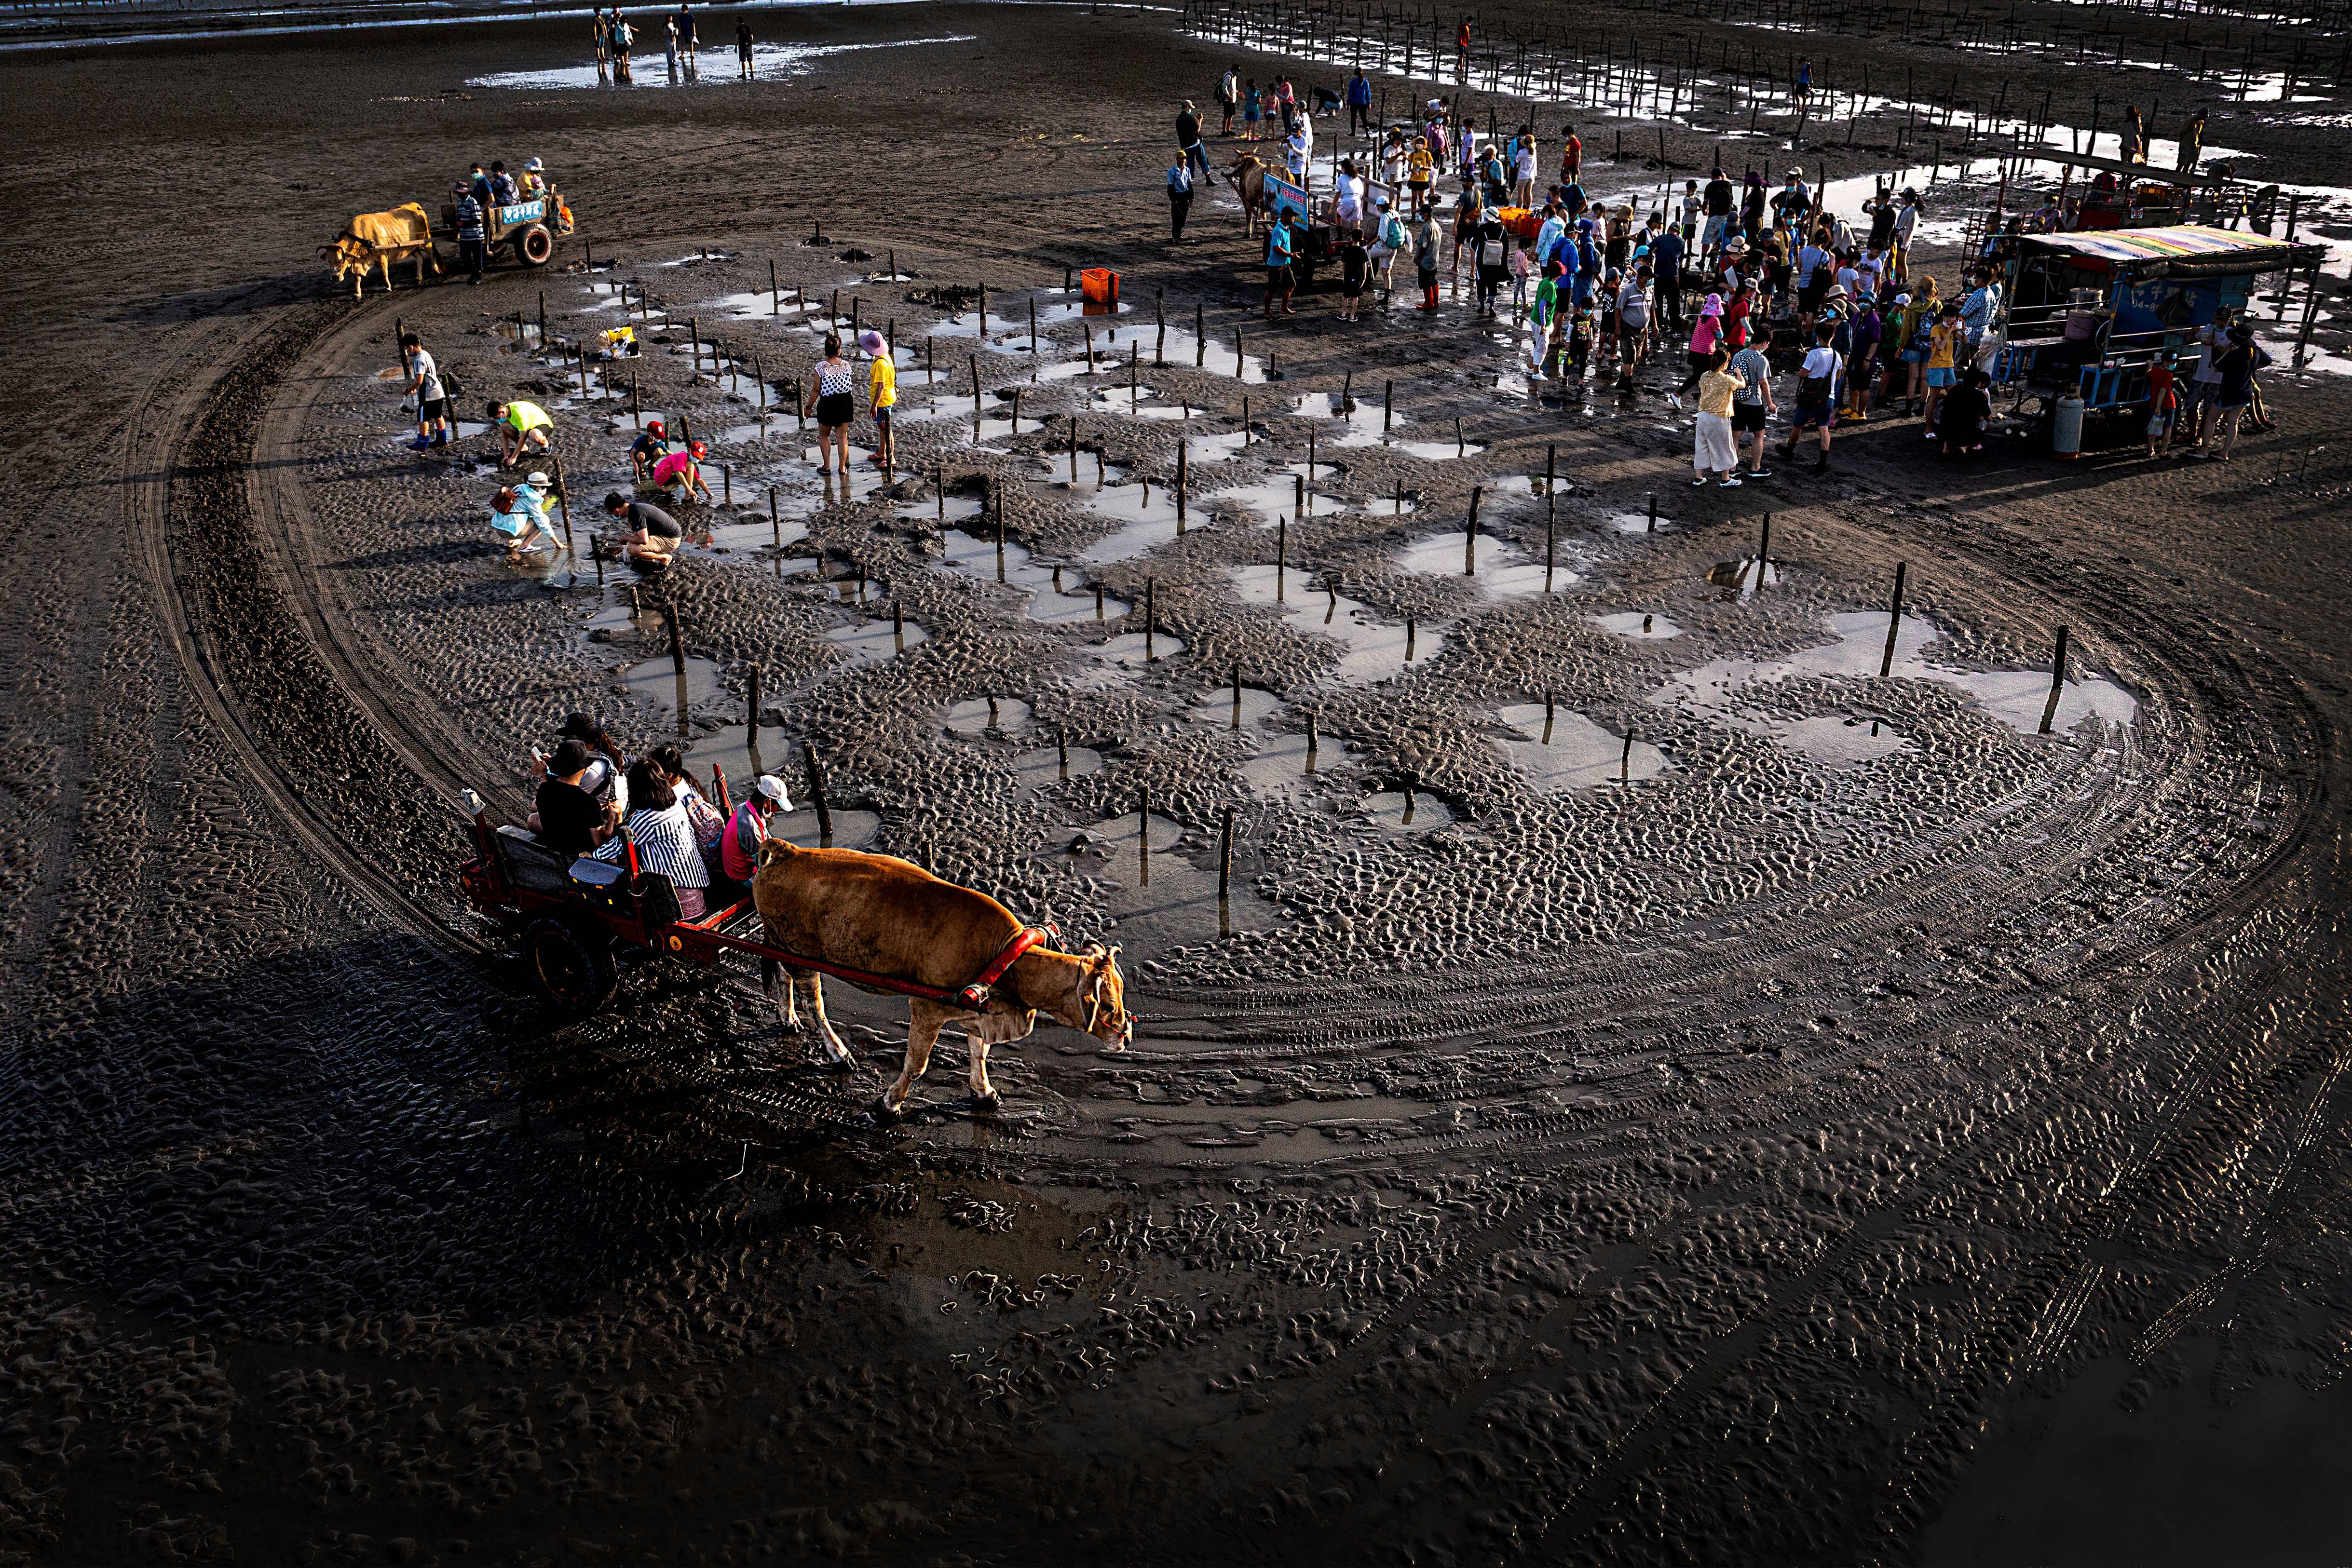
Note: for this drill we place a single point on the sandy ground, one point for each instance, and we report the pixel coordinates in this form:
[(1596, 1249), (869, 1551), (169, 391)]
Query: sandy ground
[(1871, 1131)]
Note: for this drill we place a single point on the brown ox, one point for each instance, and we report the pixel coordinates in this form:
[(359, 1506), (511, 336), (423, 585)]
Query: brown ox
[(379, 239), (885, 916), (1249, 175)]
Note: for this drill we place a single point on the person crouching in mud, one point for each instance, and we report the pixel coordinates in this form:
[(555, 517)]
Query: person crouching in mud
[(519, 514), (651, 536)]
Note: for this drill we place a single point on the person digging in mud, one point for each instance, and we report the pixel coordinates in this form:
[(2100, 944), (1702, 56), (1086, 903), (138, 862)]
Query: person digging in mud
[(650, 447), (519, 513), (652, 535), (523, 427), (680, 472)]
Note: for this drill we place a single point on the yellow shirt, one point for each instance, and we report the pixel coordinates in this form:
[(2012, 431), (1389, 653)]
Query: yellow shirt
[(1421, 167), (527, 417), (1715, 390), (883, 384), (1939, 345)]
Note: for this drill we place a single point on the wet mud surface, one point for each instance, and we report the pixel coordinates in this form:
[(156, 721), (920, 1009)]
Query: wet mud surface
[(1656, 1090)]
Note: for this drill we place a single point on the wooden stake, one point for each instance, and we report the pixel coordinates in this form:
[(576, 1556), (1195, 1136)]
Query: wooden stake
[(2057, 682), (1894, 620)]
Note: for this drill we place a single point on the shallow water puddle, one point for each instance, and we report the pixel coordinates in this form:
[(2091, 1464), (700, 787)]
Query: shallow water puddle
[(1116, 847), (1639, 522), (864, 477), (1276, 500), (1567, 750), (1500, 568), (1372, 649), (1436, 451), (852, 829), (863, 643), (1637, 623), (1364, 422), (1033, 770), (768, 61), (1281, 767), (1128, 654), (1147, 516), (979, 715), (2016, 697), (1058, 596), (1217, 710), (1215, 448), (1216, 359), (1403, 811)]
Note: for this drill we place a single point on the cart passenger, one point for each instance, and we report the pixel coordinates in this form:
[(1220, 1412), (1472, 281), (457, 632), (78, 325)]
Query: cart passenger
[(527, 428), (658, 825), (534, 178), (570, 819), (746, 831), (606, 760), (705, 816)]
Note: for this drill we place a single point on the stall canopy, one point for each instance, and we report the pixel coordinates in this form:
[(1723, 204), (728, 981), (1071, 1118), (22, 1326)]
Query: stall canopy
[(2183, 250)]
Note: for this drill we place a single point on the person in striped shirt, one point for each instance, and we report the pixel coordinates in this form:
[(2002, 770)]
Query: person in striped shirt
[(658, 823)]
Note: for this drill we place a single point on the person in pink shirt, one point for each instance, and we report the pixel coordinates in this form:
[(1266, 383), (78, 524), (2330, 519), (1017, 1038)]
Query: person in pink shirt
[(679, 469), (1703, 339)]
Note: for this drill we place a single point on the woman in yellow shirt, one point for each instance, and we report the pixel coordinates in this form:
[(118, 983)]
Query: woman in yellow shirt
[(1421, 174), (881, 396), (1719, 449)]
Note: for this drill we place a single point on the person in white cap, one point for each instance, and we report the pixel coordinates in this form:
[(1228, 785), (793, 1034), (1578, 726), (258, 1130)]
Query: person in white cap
[(747, 827), (519, 512), (534, 178), (881, 394)]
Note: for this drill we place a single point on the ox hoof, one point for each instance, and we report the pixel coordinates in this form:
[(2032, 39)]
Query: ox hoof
[(888, 1110), (838, 1062), (990, 1102)]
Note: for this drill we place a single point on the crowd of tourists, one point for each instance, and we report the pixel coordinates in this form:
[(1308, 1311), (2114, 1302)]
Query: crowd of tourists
[(1729, 281)]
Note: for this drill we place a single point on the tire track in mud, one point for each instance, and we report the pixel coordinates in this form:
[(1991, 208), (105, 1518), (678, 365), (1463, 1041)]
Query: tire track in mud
[(2061, 853), (202, 438)]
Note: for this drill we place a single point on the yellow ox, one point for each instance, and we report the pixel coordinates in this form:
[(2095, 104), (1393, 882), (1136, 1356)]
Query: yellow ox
[(379, 239)]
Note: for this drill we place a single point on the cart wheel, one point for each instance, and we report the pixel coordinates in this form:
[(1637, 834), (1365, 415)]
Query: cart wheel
[(574, 968), (534, 245)]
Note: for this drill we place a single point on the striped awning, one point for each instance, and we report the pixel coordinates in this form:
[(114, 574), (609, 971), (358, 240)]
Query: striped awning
[(2178, 241)]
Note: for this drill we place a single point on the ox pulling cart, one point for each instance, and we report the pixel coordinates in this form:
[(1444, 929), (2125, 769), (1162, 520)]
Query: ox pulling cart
[(577, 916), (959, 957)]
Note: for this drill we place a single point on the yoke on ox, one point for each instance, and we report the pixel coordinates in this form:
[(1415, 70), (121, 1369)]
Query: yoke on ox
[(379, 239), (963, 956)]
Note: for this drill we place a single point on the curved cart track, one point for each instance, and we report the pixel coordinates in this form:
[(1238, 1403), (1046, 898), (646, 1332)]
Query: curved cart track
[(2144, 871)]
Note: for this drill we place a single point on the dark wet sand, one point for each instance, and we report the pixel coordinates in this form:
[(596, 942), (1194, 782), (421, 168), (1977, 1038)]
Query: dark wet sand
[(1786, 1158)]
